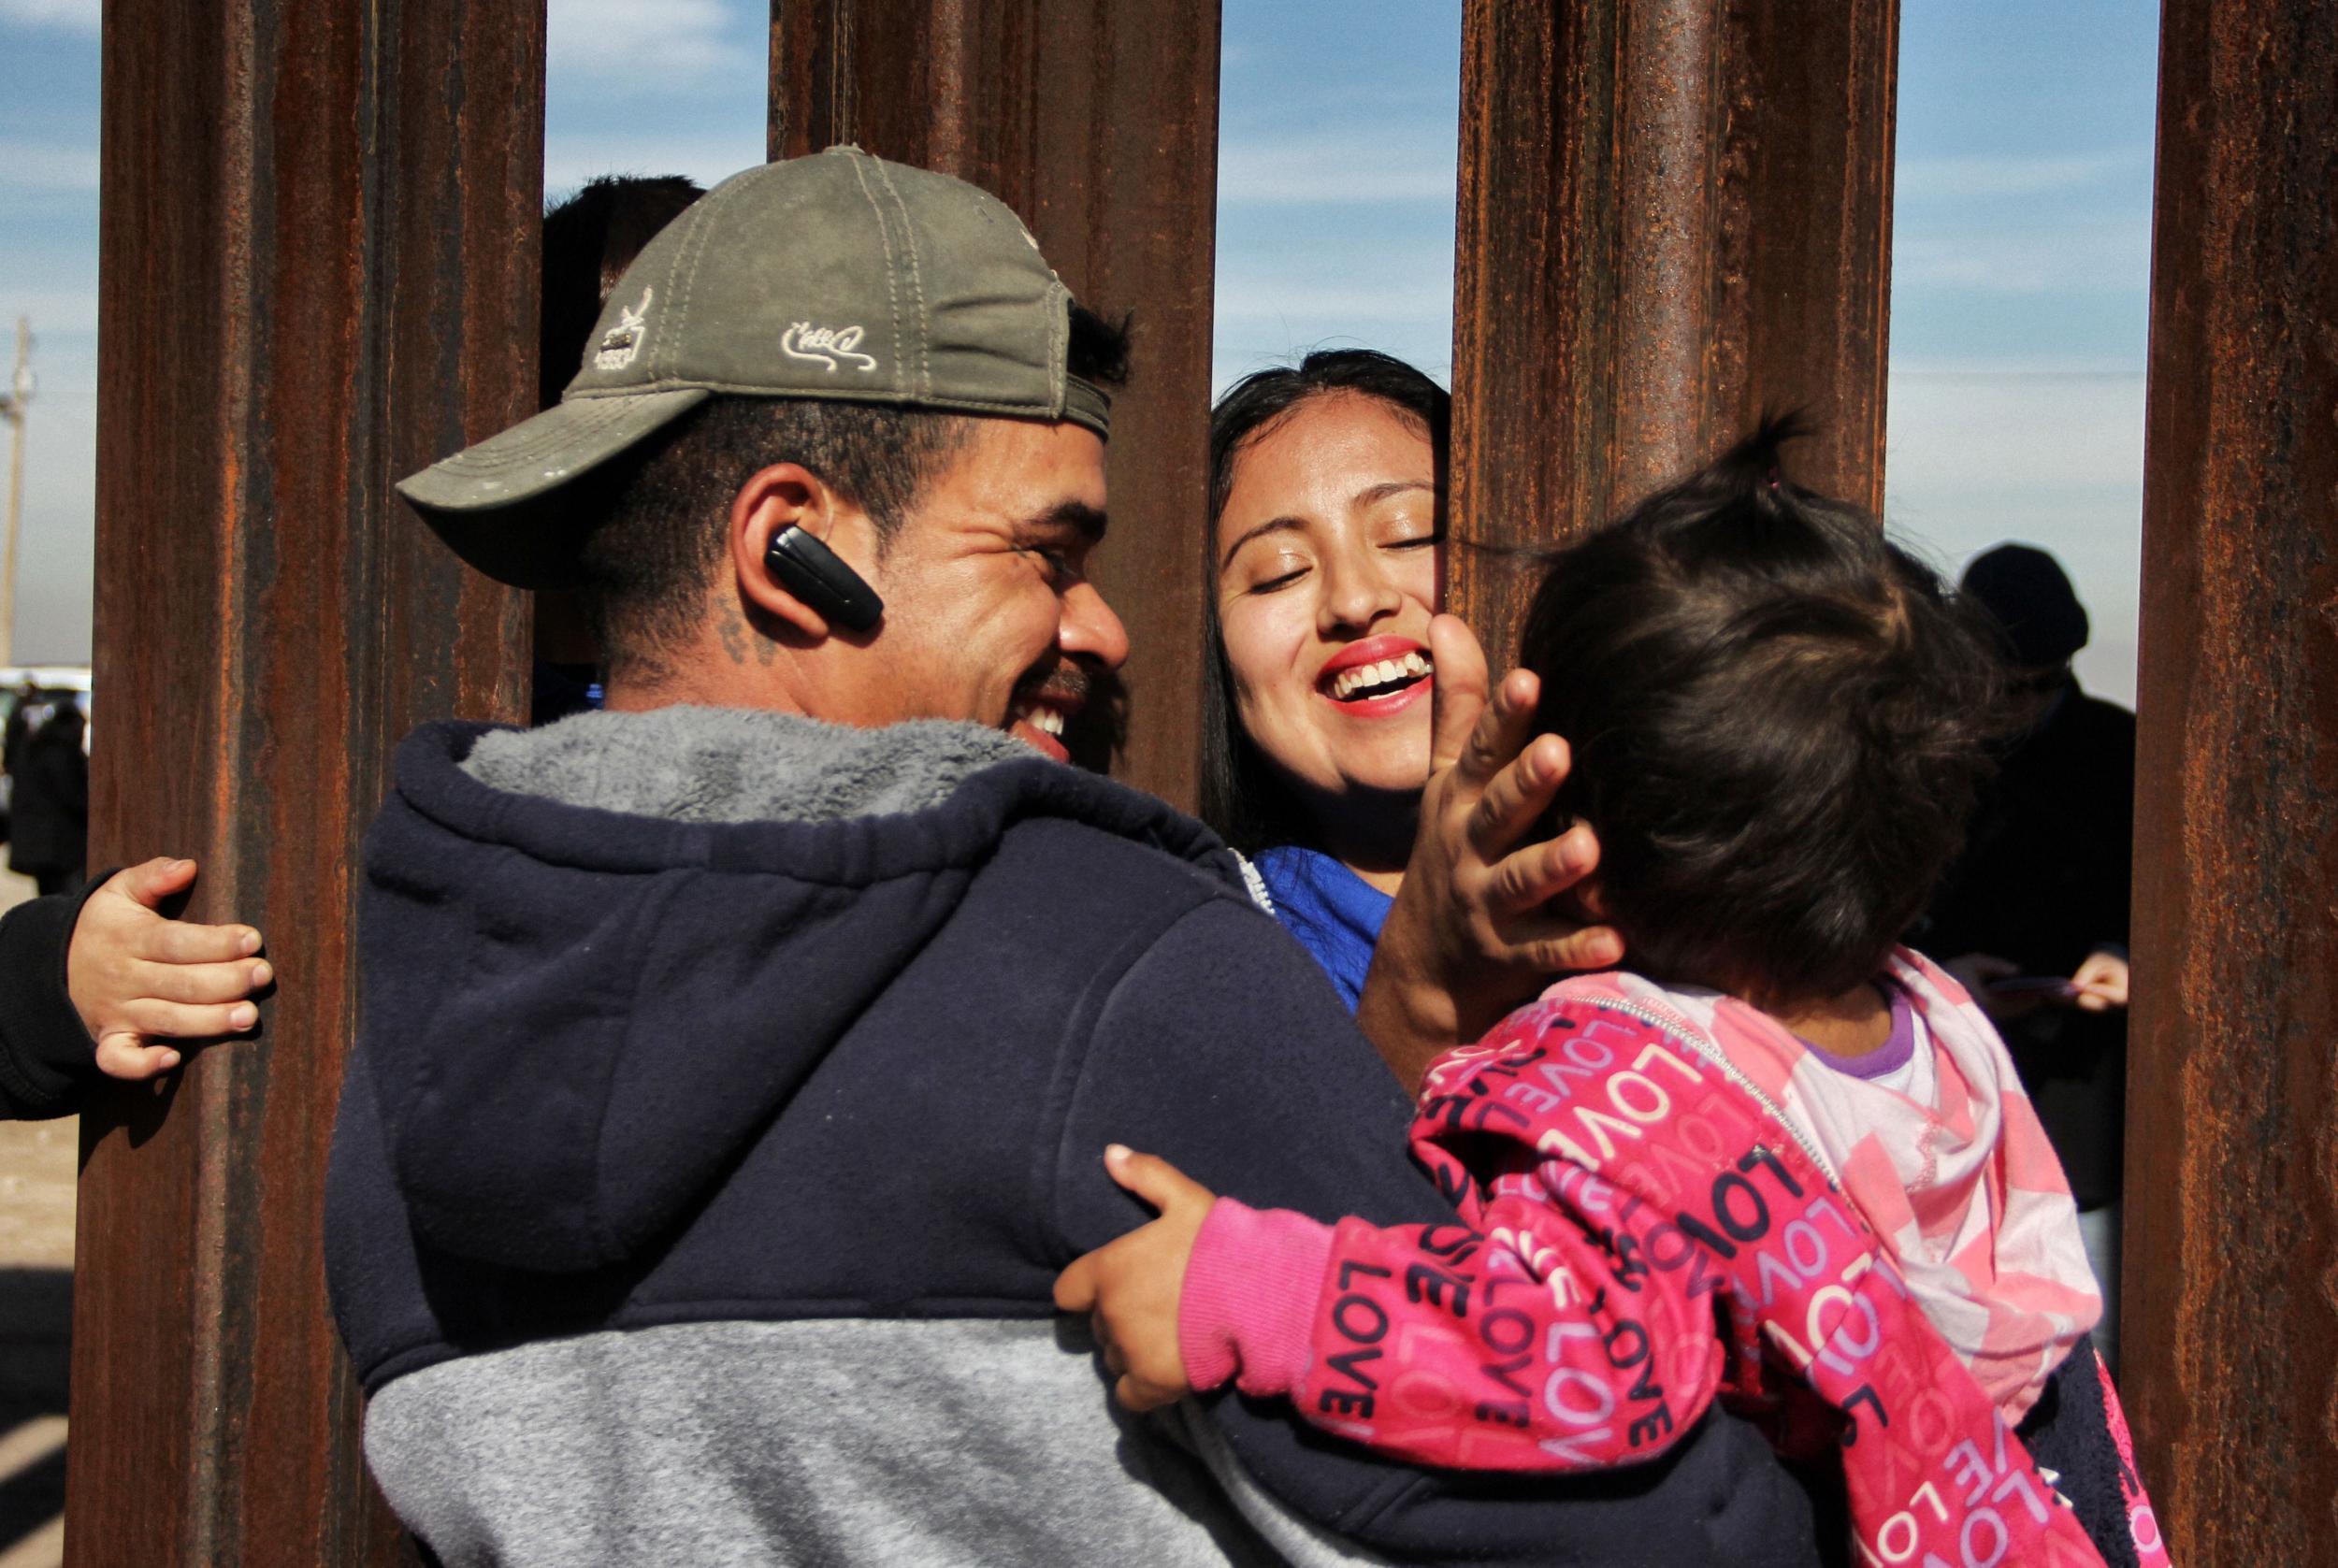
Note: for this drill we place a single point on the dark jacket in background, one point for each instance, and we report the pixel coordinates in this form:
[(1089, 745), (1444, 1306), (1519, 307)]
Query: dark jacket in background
[(17, 730), (48, 810), (2042, 882)]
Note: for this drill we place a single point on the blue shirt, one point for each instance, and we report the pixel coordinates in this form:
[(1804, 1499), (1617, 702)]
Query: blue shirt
[(1335, 914)]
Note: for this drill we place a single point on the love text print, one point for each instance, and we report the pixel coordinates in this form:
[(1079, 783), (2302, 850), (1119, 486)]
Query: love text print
[(1639, 1235)]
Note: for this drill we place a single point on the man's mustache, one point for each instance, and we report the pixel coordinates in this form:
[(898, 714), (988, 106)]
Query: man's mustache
[(1070, 680), (1098, 728)]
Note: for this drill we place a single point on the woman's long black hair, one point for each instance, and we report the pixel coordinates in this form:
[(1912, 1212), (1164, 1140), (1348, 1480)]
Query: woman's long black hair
[(1250, 804)]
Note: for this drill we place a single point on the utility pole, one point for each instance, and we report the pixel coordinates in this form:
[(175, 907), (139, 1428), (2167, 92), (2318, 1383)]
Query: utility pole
[(12, 408)]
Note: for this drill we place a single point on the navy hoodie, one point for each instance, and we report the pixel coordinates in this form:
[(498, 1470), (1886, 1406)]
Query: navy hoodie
[(730, 1089)]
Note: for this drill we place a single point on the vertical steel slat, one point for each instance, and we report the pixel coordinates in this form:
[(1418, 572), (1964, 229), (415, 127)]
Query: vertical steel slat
[(2230, 1336), (1096, 121), (318, 271), (1673, 215)]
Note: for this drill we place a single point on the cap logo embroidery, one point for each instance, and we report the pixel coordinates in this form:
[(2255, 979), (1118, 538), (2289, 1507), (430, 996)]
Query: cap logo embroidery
[(827, 346), (621, 342)]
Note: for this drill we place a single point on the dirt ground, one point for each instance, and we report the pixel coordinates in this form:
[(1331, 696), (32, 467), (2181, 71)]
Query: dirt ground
[(37, 1168), (37, 1163)]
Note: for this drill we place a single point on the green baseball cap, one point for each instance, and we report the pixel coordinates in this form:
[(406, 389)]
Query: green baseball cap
[(838, 276)]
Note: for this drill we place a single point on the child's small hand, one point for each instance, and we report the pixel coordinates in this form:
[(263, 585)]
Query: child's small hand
[(1130, 1287), (137, 978)]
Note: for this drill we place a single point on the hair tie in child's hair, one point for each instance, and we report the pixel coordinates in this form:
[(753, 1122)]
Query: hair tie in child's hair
[(1773, 479)]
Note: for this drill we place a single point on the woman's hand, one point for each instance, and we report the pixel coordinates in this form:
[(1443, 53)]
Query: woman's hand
[(1978, 974), (1130, 1287), (2102, 983), (1471, 935), (137, 977)]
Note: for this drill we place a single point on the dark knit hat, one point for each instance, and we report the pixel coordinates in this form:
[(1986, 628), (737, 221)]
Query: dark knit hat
[(2027, 593)]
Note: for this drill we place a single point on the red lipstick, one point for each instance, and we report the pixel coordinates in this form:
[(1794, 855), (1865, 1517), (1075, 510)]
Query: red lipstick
[(1371, 651)]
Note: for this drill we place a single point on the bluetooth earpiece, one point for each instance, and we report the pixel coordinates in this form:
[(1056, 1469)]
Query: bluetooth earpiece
[(803, 565)]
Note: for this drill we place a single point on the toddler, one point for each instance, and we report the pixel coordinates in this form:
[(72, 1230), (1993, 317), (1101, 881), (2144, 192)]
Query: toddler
[(1778, 1159)]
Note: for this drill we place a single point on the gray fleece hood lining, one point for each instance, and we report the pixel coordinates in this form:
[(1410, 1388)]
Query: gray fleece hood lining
[(735, 764), (616, 949)]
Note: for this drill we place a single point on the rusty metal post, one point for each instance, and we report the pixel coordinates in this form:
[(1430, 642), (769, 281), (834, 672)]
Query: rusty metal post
[(2231, 1331), (1673, 215), (1097, 121), (318, 271)]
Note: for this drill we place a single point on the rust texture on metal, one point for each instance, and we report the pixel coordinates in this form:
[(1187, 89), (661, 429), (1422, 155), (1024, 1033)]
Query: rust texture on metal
[(2230, 1338), (318, 271), (1096, 121), (1674, 214)]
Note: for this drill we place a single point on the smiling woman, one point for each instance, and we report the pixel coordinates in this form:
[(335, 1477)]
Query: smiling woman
[(1327, 493)]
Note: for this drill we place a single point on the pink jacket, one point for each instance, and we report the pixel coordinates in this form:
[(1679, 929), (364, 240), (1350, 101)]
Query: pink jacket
[(1639, 1233), (1956, 1181)]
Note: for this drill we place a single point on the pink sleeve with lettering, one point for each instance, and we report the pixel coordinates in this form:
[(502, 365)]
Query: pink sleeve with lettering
[(1526, 1338), (1633, 1224)]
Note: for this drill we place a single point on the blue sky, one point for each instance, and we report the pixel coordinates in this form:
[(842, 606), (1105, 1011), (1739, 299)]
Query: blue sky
[(2021, 238)]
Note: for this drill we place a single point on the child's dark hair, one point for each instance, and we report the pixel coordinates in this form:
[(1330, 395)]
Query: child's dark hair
[(1780, 721)]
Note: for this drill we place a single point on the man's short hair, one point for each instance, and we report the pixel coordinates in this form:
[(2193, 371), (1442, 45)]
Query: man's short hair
[(663, 511)]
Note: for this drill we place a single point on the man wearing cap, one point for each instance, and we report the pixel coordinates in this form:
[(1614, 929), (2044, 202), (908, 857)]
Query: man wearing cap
[(737, 1063), (2040, 894)]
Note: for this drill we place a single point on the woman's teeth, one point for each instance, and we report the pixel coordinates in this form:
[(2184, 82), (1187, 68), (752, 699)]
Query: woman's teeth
[(1349, 683)]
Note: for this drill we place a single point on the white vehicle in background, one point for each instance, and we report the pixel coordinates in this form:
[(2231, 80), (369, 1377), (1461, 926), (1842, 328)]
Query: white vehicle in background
[(52, 682)]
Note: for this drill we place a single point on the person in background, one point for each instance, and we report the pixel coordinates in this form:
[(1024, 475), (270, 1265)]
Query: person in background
[(95, 984), (589, 241), (23, 713), (48, 804), (2033, 917)]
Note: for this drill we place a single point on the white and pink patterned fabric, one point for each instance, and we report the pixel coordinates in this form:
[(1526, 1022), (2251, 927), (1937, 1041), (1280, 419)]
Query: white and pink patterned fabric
[(1614, 1187), (1964, 1193)]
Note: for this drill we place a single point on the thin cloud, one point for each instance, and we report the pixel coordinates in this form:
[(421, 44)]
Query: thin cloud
[(621, 45), (67, 16), (570, 160), (2024, 175), (2110, 255), (1975, 457), (35, 166), (1336, 169), (2013, 432), (55, 313), (1428, 299)]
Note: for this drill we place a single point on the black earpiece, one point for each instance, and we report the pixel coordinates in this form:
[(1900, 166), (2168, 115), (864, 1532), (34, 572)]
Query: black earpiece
[(809, 570)]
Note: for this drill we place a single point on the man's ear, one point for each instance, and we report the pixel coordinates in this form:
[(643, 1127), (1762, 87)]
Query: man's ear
[(773, 500)]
